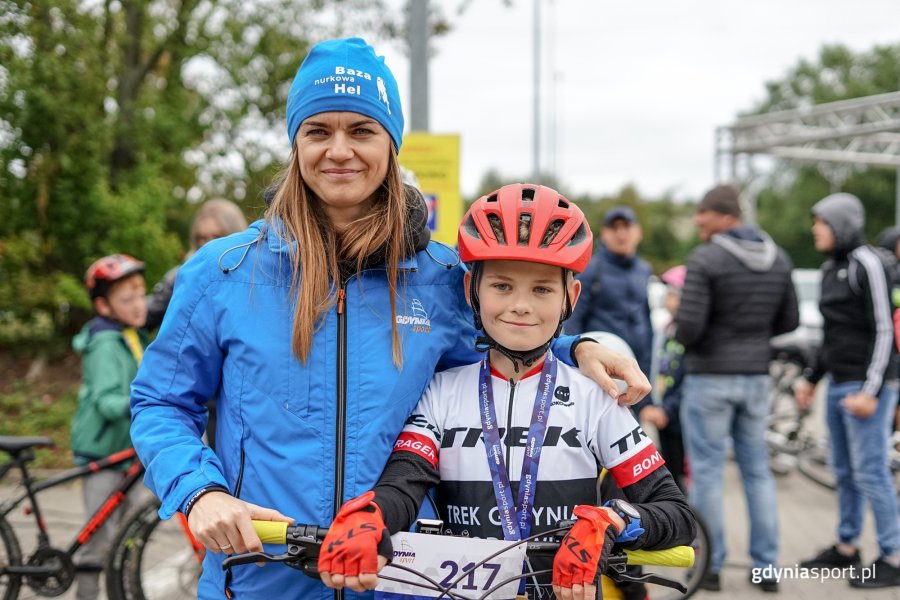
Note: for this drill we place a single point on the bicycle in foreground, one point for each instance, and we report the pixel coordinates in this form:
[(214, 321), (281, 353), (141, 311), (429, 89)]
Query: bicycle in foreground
[(456, 575)]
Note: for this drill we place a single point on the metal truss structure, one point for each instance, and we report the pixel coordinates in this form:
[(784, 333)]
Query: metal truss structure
[(837, 136)]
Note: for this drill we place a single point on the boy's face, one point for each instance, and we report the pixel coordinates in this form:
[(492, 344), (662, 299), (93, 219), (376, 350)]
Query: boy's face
[(521, 302), (125, 302)]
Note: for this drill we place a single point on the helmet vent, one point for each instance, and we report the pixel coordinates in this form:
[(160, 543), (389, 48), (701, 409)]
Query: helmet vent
[(528, 194), (524, 228), (497, 226), (579, 236), (471, 229), (550, 235), (491, 198), (562, 203)]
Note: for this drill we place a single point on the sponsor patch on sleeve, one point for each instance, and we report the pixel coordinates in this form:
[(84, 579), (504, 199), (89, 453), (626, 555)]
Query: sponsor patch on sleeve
[(634, 468), (419, 444)]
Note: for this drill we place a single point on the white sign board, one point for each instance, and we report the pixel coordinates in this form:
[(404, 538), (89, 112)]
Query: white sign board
[(449, 561)]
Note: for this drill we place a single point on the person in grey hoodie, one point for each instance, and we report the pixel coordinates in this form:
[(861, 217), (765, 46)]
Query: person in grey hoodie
[(737, 295), (857, 355)]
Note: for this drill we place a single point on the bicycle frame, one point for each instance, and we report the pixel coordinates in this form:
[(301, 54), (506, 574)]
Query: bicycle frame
[(34, 487)]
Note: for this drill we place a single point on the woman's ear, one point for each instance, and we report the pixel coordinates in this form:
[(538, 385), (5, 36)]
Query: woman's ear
[(467, 282)]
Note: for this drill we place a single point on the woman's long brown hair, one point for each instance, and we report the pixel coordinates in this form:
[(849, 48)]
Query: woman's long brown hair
[(320, 249)]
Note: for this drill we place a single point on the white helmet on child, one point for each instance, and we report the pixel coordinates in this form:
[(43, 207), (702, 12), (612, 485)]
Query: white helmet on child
[(611, 341), (614, 343)]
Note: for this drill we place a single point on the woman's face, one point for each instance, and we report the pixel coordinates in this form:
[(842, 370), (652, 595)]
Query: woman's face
[(343, 158), (207, 230)]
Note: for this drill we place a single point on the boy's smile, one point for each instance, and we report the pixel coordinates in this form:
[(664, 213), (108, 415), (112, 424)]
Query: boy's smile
[(522, 302)]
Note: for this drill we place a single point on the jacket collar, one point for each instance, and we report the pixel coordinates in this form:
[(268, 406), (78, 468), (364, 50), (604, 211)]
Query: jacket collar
[(277, 243)]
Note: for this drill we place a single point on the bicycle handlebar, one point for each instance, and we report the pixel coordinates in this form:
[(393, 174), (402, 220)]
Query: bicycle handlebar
[(279, 532)]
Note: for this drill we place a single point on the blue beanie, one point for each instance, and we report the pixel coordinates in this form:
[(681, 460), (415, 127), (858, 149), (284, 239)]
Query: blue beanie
[(345, 75)]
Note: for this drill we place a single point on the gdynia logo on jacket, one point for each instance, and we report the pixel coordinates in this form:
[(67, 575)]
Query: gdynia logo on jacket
[(418, 319)]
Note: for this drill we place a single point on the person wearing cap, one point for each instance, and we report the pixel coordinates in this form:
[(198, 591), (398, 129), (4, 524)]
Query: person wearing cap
[(737, 294), (317, 329), (615, 287), (857, 354)]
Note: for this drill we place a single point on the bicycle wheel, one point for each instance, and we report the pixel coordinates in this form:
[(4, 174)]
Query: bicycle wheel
[(152, 558), (10, 554), (814, 463), (689, 578)]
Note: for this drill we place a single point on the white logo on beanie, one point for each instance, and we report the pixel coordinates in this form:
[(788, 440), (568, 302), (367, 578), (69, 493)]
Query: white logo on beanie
[(382, 93)]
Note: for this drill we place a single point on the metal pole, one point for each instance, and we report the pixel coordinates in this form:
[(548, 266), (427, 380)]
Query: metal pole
[(536, 135), (418, 65), (897, 203)]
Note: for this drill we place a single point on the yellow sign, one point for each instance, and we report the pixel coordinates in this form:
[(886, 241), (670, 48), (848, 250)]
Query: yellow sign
[(434, 160)]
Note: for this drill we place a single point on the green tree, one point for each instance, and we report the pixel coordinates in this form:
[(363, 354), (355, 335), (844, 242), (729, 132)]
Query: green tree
[(785, 202), (117, 117)]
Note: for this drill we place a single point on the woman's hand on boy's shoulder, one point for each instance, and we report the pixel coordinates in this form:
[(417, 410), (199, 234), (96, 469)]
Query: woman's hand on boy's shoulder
[(604, 366)]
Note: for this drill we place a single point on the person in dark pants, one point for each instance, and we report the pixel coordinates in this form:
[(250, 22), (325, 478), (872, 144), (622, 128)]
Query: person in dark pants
[(737, 295), (858, 355)]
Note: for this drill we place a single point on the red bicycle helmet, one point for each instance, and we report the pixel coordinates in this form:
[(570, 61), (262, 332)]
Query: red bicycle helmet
[(526, 222), (106, 271)]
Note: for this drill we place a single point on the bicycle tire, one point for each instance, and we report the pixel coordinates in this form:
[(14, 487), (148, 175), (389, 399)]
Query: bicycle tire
[(10, 554), (690, 578), (814, 464), (151, 558)]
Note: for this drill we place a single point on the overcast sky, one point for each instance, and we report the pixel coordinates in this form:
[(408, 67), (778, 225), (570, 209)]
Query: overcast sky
[(638, 87)]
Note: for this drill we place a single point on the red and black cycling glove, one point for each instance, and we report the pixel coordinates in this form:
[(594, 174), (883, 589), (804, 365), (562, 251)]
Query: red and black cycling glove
[(355, 539), (585, 548)]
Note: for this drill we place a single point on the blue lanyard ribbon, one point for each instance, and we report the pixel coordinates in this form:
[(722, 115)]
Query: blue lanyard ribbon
[(518, 527)]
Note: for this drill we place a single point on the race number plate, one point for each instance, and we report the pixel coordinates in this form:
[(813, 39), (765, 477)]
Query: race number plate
[(449, 561)]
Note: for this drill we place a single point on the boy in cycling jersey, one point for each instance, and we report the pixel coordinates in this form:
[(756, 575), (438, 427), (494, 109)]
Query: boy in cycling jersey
[(518, 413)]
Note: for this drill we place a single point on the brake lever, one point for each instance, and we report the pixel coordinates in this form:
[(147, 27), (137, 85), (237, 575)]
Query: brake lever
[(302, 555), (253, 557), (620, 576)]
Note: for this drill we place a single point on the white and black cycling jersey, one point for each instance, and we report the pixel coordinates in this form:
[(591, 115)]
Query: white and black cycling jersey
[(586, 430)]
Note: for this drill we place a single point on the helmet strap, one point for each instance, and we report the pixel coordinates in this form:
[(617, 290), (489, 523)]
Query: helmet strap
[(483, 343)]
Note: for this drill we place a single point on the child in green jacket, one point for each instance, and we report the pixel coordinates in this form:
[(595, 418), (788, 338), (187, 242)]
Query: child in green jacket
[(111, 350)]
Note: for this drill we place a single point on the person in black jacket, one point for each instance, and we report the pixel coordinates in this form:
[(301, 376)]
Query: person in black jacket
[(857, 353), (737, 294)]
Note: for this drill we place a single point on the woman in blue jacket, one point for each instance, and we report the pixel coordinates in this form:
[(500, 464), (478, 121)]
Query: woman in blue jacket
[(316, 329)]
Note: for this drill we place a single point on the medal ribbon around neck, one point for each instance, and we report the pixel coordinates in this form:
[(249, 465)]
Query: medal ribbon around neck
[(515, 519)]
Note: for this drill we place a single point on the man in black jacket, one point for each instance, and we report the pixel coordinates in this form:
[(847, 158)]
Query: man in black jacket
[(857, 353), (737, 294)]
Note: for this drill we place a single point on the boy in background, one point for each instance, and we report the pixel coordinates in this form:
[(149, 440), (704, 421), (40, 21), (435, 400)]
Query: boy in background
[(111, 350)]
